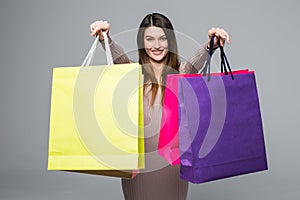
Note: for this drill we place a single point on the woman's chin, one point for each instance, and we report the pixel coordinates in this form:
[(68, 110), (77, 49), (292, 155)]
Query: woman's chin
[(157, 58)]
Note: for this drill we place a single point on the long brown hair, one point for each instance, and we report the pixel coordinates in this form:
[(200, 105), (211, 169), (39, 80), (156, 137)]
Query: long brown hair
[(171, 60)]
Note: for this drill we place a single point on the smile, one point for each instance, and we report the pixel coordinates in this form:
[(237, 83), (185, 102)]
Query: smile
[(157, 52)]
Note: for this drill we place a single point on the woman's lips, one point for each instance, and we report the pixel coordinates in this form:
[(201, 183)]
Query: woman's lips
[(157, 52)]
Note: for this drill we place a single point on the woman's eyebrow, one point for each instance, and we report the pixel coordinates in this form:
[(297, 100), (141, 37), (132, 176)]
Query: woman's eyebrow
[(153, 36)]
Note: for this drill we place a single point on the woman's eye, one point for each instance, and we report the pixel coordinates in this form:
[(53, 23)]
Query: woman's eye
[(149, 39), (163, 38)]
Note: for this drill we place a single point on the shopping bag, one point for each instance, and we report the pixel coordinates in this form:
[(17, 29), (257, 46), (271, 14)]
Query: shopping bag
[(96, 118), (168, 146), (220, 130)]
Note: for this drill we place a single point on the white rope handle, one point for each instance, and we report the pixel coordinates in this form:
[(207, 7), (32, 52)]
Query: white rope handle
[(90, 56), (107, 50)]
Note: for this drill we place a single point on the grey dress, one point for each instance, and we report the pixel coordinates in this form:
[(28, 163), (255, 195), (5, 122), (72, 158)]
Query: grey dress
[(159, 180)]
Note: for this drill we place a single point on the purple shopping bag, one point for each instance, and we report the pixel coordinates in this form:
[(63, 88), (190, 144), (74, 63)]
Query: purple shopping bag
[(221, 133), (220, 127)]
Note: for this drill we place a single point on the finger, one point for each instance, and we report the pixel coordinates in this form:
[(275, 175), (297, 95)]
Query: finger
[(95, 32), (225, 35), (92, 30), (218, 34), (211, 32), (93, 26), (96, 27), (106, 26), (222, 42)]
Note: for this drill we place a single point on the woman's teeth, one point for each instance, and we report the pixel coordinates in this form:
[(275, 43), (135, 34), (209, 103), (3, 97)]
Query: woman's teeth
[(157, 52)]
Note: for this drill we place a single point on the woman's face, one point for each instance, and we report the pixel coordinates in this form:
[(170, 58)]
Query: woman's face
[(156, 43)]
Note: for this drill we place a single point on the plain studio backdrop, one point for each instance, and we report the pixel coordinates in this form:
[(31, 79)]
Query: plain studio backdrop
[(37, 35)]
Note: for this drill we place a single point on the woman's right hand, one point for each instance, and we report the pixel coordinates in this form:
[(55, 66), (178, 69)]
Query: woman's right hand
[(98, 27)]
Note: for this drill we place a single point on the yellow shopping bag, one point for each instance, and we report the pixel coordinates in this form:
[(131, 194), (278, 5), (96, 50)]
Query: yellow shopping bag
[(96, 120)]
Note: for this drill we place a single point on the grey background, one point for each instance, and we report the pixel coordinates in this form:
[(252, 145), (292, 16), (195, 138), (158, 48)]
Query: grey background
[(38, 35)]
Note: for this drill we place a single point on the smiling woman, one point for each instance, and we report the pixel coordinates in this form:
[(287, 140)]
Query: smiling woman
[(156, 44), (157, 47), (158, 55)]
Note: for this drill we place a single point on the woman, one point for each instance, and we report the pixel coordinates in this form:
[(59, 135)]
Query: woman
[(157, 50)]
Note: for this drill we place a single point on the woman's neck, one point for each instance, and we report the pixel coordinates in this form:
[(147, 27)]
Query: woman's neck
[(158, 69)]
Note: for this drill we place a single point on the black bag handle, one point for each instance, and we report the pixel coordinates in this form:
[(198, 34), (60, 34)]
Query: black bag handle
[(224, 61)]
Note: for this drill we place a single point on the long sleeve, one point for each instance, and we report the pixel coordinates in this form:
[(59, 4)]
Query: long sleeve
[(117, 52), (196, 61)]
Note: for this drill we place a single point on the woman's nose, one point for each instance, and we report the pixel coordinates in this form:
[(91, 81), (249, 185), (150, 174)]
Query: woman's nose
[(157, 44)]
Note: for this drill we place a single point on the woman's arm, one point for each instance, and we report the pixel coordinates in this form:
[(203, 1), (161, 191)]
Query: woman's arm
[(197, 61), (117, 52)]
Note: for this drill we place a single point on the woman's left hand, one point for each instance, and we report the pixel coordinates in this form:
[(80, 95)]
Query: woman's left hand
[(220, 34)]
